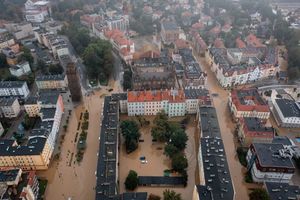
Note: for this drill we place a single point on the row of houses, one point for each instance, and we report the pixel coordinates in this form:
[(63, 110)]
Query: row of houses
[(37, 152), (237, 66)]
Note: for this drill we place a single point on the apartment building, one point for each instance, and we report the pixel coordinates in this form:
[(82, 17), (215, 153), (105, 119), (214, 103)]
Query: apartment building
[(286, 112), (20, 69), (252, 129), (214, 174), (120, 22), (6, 39), (16, 184), (244, 65), (248, 103), (20, 30), (51, 82), (9, 107), (173, 102), (270, 162), (169, 31), (37, 152), (14, 89), (37, 11), (32, 107), (283, 191)]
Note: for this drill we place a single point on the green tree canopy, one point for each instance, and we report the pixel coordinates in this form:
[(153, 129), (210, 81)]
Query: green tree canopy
[(131, 181), (171, 195), (179, 163), (130, 131), (170, 150), (259, 194)]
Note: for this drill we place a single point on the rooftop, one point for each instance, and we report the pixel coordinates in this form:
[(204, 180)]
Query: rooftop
[(49, 97), (7, 101), (8, 175), (195, 93), (282, 191), (161, 180), (216, 172), (269, 155), (289, 108), (169, 25), (253, 124), (58, 77), (156, 95), (48, 113), (12, 84)]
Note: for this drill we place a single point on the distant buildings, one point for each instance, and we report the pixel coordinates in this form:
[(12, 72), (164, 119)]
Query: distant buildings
[(37, 11), (252, 130), (73, 81), (169, 31), (16, 184), (52, 82), (20, 31), (286, 112), (14, 89), (270, 162), (241, 66), (248, 103), (120, 22), (9, 107)]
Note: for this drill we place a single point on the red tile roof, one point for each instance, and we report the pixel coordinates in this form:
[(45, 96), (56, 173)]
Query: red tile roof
[(219, 43), (240, 43), (148, 96), (252, 40), (181, 44)]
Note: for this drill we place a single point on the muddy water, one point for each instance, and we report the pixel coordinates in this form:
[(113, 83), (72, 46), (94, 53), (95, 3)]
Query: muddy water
[(157, 161), (227, 128), (66, 177)]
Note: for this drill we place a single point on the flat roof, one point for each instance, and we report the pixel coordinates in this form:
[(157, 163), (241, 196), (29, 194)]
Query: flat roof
[(269, 156), (161, 180), (60, 77), (8, 175), (282, 191), (288, 108), (12, 84), (218, 183)]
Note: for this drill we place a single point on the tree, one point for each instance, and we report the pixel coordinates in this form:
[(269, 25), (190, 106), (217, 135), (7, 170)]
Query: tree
[(154, 197), (56, 69), (132, 180), (178, 139), (98, 60), (259, 194), (127, 80), (27, 55), (170, 150), (160, 129), (3, 62), (179, 163), (171, 195), (130, 132)]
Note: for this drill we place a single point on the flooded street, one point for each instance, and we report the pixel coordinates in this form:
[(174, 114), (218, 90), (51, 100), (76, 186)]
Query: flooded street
[(68, 178), (227, 129), (157, 161)]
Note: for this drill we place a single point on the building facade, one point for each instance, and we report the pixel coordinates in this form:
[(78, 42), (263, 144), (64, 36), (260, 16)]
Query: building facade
[(248, 103), (14, 89), (270, 162), (52, 82), (9, 107), (73, 81), (20, 69)]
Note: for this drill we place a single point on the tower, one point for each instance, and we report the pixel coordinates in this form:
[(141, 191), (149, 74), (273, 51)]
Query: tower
[(73, 80)]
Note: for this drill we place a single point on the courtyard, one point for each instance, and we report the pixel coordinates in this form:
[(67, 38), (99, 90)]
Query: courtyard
[(156, 161)]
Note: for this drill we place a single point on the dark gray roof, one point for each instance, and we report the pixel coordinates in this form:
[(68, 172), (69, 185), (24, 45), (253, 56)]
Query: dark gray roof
[(204, 192), (282, 140), (194, 93), (161, 180), (31, 100), (34, 146), (48, 113), (215, 167), (242, 94), (119, 96), (39, 132), (288, 107), (169, 25), (134, 196), (7, 101), (255, 124), (8, 175), (50, 77), (282, 191), (12, 84), (106, 185), (49, 97), (268, 155)]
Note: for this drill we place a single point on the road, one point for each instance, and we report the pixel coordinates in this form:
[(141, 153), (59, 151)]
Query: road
[(227, 127)]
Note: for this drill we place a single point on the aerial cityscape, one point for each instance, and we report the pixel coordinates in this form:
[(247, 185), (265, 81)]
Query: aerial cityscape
[(150, 100)]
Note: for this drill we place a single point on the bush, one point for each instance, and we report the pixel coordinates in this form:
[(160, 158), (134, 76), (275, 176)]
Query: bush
[(242, 153), (248, 178), (179, 163), (259, 194), (154, 197), (85, 125), (131, 181)]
